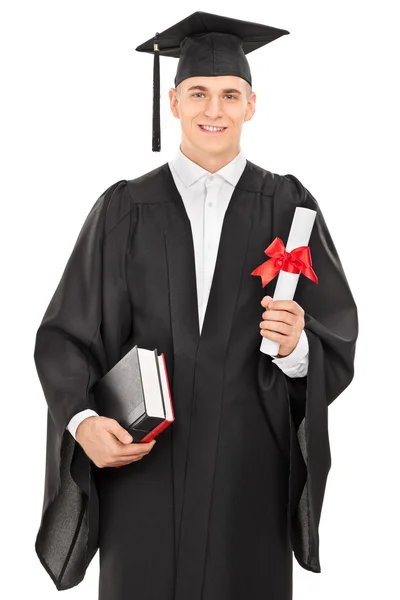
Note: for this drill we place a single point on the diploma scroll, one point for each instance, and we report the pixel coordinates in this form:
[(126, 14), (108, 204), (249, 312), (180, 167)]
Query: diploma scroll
[(286, 284)]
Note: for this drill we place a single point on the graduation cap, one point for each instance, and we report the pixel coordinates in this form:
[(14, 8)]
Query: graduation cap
[(206, 45)]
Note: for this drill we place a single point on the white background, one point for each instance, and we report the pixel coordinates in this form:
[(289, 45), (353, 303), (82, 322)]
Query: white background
[(76, 106)]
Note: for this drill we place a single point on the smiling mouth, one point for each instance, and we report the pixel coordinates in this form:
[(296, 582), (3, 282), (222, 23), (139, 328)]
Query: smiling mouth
[(211, 129)]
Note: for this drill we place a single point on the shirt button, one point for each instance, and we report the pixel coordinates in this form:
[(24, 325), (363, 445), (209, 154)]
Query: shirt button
[(210, 204)]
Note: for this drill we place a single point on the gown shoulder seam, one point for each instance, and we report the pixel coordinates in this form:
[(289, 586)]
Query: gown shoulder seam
[(118, 223)]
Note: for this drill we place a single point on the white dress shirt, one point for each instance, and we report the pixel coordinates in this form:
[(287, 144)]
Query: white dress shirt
[(206, 197)]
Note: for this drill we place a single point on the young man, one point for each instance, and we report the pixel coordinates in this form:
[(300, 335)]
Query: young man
[(213, 510)]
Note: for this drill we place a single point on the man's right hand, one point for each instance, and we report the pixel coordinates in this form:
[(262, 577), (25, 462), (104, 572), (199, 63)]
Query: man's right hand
[(108, 444)]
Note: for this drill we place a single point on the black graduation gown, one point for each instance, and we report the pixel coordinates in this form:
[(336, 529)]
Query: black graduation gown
[(236, 483)]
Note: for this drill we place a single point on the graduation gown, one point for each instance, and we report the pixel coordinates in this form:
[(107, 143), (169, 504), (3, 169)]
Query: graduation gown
[(237, 482)]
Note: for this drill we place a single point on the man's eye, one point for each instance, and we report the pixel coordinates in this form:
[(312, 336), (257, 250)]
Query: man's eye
[(227, 95)]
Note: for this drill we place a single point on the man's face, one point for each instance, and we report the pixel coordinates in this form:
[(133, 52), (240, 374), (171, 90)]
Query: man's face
[(221, 101)]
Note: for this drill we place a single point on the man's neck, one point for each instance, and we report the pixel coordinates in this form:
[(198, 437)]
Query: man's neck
[(210, 162)]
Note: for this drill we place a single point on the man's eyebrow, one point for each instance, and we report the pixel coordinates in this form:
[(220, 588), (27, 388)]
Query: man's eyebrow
[(205, 89)]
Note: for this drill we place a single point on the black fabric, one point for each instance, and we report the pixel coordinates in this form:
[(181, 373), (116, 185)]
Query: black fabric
[(331, 326), (237, 481), (207, 45)]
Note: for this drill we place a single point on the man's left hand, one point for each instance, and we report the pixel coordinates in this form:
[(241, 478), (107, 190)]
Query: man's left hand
[(283, 323)]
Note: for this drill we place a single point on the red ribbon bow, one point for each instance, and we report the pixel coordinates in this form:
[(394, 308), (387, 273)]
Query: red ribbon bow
[(296, 261)]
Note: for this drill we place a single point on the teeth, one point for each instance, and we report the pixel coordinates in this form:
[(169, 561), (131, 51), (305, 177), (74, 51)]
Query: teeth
[(210, 128)]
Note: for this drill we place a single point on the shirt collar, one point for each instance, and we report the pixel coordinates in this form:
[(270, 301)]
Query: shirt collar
[(189, 172)]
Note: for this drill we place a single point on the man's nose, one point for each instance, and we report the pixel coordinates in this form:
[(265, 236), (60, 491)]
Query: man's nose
[(213, 108)]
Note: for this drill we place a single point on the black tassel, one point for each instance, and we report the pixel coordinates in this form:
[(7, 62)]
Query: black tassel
[(156, 99)]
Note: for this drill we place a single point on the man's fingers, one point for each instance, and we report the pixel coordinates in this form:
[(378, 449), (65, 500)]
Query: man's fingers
[(133, 453), (118, 431), (129, 460), (277, 326), (135, 449), (265, 301), (289, 305), (279, 315)]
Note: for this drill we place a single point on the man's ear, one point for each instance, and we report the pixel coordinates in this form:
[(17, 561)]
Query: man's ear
[(251, 107), (173, 99)]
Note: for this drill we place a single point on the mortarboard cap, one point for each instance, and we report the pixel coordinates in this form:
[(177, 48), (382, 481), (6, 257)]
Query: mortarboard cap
[(206, 45)]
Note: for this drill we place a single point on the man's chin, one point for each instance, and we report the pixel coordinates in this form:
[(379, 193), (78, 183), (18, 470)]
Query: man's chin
[(211, 145)]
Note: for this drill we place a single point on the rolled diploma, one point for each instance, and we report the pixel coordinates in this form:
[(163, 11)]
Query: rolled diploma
[(299, 235)]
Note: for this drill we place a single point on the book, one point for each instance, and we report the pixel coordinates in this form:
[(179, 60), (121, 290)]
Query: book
[(136, 392)]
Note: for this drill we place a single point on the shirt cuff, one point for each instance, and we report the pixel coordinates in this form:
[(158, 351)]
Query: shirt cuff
[(78, 418), (299, 353)]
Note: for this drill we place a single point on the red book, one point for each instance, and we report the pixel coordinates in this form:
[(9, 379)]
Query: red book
[(137, 394)]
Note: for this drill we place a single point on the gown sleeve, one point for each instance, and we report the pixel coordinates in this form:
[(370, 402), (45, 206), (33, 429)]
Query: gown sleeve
[(331, 326), (70, 357)]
